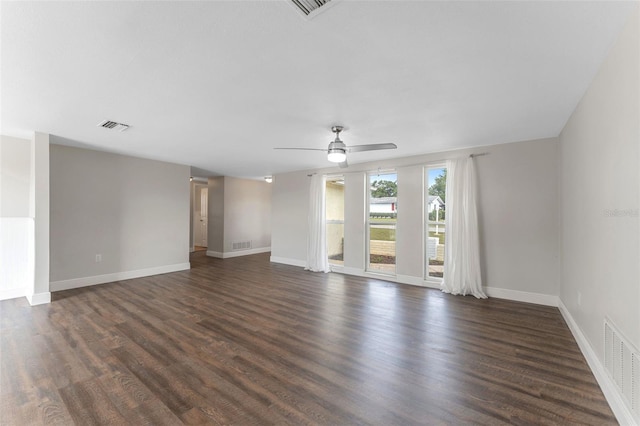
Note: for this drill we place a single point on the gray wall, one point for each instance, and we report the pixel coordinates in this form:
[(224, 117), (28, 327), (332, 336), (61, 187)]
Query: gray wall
[(247, 212), (518, 207), (216, 215), (239, 210), (134, 212), (289, 206), (600, 198), (15, 172)]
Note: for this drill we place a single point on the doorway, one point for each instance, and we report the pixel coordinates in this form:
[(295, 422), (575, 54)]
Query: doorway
[(200, 217)]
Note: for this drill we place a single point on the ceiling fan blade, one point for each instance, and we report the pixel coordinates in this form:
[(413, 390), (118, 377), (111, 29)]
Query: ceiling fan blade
[(371, 147), (343, 165), (305, 149)]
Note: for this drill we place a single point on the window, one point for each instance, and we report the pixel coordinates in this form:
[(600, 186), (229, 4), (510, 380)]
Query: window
[(435, 211), (334, 197), (381, 222)]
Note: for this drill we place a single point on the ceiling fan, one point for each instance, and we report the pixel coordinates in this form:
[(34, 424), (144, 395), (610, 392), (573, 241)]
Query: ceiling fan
[(337, 150)]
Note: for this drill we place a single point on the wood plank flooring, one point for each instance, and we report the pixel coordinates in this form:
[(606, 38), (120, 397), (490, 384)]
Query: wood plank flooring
[(243, 341)]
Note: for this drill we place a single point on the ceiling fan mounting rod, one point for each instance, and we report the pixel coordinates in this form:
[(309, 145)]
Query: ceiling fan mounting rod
[(337, 130)]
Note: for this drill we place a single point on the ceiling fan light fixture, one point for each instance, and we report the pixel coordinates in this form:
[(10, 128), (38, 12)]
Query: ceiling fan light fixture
[(337, 155), (337, 150)]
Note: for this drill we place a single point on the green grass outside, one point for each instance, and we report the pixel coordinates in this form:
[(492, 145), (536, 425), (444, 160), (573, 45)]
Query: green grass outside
[(383, 234), (390, 235)]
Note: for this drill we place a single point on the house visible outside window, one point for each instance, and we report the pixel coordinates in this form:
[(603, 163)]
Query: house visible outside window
[(334, 197), (381, 222), (435, 211)]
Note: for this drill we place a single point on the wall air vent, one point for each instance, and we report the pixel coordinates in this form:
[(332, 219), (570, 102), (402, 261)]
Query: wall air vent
[(242, 245), (112, 125), (622, 362), (309, 7)]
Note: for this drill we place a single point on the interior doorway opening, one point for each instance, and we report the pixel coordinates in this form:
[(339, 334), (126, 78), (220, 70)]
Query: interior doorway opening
[(199, 214), (201, 218)]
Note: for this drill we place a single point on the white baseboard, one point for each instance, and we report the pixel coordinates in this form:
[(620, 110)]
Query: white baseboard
[(400, 279), (620, 410), (352, 271), (498, 293), (13, 293), (116, 276), (336, 268), (228, 254), (432, 284), (287, 261), (522, 296), (39, 298), (366, 274), (411, 280)]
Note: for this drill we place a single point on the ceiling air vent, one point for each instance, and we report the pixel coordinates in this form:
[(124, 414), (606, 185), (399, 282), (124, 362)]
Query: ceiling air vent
[(112, 125), (308, 7)]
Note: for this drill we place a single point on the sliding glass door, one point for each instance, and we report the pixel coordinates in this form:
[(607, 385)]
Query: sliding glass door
[(382, 214), (334, 197), (435, 211)]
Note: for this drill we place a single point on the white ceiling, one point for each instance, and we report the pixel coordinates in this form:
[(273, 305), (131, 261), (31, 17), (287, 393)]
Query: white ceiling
[(218, 84)]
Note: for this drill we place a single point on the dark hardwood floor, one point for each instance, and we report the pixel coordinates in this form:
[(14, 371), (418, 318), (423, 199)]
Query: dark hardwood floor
[(242, 341)]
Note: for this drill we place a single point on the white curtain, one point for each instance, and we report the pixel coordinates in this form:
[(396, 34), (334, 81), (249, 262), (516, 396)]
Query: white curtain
[(462, 273), (317, 259)]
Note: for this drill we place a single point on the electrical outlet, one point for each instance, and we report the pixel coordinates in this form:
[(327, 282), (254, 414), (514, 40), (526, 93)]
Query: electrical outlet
[(98, 258), (579, 298)]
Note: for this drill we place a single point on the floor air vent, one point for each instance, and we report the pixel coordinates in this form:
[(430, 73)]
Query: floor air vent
[(307, 7), (242, 245), (622, 362)]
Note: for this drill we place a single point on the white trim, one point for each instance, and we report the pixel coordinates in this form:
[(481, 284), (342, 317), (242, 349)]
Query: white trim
[(399, 279), (498, 293), (369, 274), (13, 293), (619, 408), (353, 271), (336, 268), (39, 298), (287, 261), (380, 276), (432, 284), (408, 279), (522, 296), (238, 253), (116, 276)]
